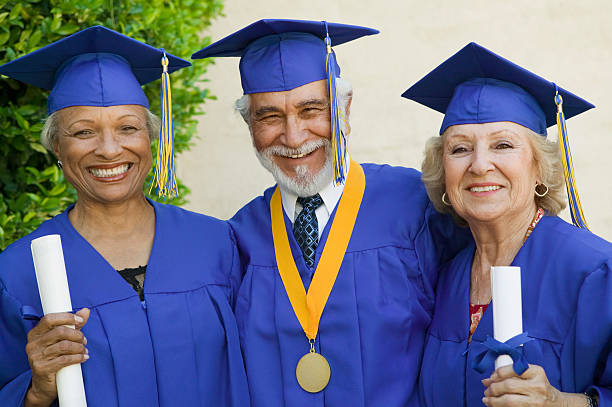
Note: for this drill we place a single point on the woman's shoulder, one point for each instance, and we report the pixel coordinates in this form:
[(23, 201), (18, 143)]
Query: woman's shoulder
[(574, 240), (192, 232), (185, 218), (565, 248)]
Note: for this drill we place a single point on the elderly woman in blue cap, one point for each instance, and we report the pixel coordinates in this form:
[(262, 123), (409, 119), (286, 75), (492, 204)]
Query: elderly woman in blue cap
[(494, 170), (166, 339)]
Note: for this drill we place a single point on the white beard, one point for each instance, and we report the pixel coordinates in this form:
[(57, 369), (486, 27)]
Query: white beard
[(305, 182)]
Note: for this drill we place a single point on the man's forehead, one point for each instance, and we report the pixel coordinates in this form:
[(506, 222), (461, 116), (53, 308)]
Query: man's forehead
[(311, 92)]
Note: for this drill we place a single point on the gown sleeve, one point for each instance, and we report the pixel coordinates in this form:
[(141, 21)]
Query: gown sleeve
[(15, 373), (593, 355)]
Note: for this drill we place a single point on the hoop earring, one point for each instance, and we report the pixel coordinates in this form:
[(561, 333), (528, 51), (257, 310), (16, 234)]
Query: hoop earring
[(444, 198), (541, 195), (59, 164)]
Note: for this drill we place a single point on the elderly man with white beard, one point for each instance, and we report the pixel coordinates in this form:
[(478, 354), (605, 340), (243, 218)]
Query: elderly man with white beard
[(339, 259)]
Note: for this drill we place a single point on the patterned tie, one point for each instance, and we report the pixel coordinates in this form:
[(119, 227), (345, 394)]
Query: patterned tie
[(306, 227)]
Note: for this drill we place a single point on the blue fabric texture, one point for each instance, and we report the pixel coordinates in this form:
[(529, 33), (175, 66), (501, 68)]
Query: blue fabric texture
[(181, 349), (373, 326), (485, 100), (279, 55), (93, 67), (306, 227), (282, 62), (566, 276), (529, 101)]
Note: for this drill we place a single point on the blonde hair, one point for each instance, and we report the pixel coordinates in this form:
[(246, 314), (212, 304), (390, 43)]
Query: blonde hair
[(546, 155)]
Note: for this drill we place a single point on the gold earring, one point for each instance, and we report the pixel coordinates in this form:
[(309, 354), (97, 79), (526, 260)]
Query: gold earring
[(541, 195), (444, 197)]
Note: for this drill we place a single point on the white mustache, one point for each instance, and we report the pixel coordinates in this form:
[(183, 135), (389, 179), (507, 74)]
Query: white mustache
[(306, 148)]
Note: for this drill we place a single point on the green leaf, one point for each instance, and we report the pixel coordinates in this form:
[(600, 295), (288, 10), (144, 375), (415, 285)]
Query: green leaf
[(23, 123), (33, 197), (15, 11), (32, 171), (49, 171), (27, 110), (6, 220), (38, 147), (4, 37), (57, 22), (50, 204), (67, 29), (3, 16), (35, 38), (58, 189), (28, 217)]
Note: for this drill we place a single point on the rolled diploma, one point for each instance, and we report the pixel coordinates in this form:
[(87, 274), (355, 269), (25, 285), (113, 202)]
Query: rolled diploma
[(54, 295), (507, 306)]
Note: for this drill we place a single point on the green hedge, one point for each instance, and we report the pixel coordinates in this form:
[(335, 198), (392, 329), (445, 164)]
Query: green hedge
[(32, 188)]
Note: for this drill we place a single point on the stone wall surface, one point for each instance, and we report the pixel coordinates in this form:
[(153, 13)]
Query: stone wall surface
[(567, 42)]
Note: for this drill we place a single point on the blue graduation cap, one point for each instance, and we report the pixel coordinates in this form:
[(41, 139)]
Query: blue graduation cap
[(478, 86), (100, 67), (278, 55)]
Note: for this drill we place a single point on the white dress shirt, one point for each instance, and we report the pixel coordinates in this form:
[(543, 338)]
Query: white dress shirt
[(330, 195)]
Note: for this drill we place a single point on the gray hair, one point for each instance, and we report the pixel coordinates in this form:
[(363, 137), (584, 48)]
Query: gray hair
[(51, 128), (344, 92), (546, 155)]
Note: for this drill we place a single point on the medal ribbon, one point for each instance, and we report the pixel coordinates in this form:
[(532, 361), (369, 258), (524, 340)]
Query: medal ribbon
[(308, 307)]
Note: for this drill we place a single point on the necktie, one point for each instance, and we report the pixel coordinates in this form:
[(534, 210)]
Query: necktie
[(306, 227)]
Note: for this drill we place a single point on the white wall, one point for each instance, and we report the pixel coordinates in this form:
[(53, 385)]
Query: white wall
[(568, 42)]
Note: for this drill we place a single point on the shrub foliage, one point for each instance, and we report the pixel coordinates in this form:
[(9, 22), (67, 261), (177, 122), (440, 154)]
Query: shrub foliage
[(32, 187)]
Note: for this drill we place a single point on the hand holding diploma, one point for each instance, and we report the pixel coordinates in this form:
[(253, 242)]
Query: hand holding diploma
[(51, 346), (505, 387), (56, 346)]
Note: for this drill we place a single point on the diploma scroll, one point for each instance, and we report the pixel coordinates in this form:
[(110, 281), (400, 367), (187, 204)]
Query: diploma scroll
[(507, 307), (54, 295)]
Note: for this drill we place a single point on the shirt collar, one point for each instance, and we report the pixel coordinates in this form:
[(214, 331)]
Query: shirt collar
[(330, 194)]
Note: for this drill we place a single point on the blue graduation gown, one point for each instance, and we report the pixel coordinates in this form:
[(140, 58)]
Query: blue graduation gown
[(180, 349), (566, 276), (373, 326)]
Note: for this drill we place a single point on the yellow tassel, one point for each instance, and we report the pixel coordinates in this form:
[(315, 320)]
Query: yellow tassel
[(164, 177), (568, 168)]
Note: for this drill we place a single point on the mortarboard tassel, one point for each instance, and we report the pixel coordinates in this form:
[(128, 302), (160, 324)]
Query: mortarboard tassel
[(338, 138), (568, 168), (164, 176)]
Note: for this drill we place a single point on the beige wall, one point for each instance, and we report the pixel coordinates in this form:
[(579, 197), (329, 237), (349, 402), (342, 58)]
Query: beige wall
[(569, 42)]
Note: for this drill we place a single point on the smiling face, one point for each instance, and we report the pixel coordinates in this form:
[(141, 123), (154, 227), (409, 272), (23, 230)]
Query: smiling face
[(291, 132), (105, 151), (490, 171)]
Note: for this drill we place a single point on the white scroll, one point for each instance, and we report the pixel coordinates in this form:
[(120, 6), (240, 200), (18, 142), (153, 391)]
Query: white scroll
[(54, 295), (507, 307)]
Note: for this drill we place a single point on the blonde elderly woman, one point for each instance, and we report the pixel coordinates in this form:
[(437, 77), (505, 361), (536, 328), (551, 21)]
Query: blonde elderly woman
[(494, 170), (153, 284)]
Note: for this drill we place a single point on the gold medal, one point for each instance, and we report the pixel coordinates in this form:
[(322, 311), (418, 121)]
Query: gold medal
[(313, 372)]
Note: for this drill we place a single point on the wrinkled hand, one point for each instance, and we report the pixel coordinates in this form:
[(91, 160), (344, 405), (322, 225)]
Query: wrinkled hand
[(51, 346), (506, 388)]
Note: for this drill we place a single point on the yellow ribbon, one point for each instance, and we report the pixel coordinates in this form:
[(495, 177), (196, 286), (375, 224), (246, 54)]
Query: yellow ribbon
[(308, 307)]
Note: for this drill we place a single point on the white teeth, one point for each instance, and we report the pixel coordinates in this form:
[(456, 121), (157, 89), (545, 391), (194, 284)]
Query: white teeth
[(110, 172), (485, 189), (297, 155)]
